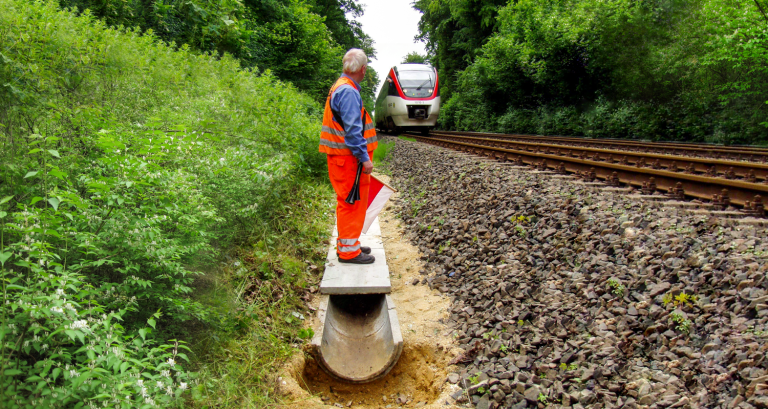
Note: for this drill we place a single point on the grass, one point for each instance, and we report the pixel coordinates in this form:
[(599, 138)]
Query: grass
[(408, 138), (381, 153), (238, 362)]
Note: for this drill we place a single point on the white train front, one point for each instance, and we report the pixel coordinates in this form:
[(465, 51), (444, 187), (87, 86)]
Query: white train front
[(409, 100)]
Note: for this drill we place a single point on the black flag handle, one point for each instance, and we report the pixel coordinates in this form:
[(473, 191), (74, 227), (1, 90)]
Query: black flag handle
[(354, 194)]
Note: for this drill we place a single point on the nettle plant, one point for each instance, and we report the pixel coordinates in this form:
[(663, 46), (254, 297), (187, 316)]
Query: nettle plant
[(87, 254)]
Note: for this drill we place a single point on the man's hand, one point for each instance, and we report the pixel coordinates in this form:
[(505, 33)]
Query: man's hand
[(367, 167)]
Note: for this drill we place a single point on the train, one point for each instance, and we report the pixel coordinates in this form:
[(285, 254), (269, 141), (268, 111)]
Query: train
[(409, 100)]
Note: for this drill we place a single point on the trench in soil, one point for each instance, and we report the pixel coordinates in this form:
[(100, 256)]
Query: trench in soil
[(419, 377), (416, 378)]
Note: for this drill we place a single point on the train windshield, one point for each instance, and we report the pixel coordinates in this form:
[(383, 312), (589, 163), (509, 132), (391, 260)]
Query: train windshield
[(418, 84)]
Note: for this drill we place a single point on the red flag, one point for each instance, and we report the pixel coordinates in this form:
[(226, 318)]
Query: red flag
[(378, 194)]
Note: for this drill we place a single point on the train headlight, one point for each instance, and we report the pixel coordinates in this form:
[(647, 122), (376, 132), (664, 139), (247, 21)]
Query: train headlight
[(404, 91)]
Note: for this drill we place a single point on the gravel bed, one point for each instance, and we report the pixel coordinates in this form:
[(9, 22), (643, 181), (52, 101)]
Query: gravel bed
[(564, 296)]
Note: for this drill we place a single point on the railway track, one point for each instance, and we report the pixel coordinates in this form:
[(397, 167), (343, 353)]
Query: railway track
[(679, 176), (735, 153)]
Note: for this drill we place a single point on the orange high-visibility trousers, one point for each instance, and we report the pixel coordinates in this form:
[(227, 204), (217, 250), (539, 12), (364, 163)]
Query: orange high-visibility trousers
[(349, 217)]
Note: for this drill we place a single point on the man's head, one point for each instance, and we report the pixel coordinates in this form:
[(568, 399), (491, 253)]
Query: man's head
[(355, 63)]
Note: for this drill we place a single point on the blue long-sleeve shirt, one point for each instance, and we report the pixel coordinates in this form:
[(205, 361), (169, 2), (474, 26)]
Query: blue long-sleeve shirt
[(348, 103)]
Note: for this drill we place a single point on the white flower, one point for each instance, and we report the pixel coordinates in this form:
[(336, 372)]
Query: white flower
[(140, 382), (82, 324), (159, 384), (73, 373), (57, 309), (171, 362), (183, 385), (60, 292)]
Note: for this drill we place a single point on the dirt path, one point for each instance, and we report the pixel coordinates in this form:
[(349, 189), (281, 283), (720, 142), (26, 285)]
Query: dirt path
[(419, 378)]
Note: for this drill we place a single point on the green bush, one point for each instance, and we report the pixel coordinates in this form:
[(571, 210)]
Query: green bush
[(126, 167), (656, 70)]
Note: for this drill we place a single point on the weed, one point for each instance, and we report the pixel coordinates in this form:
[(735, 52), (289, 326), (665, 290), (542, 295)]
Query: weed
[(681, 300), (381, 153), (543, 398), (569, 367), (617, 288), (683, 325), (443, 246), (306, 333)]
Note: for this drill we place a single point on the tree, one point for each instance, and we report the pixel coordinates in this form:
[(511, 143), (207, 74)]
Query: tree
[(415, 58)]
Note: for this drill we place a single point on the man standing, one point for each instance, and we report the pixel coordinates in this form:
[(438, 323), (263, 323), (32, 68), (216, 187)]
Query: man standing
[(348, 137)]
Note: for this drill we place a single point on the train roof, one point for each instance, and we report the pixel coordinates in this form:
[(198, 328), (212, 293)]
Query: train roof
[(413, 67)]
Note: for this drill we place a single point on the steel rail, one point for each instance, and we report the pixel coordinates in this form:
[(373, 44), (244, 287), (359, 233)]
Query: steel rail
[(731, 152), (750, 171), (721, 191)]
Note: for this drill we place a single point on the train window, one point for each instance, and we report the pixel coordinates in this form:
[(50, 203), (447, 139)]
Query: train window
[(417, 84), (392, 90)]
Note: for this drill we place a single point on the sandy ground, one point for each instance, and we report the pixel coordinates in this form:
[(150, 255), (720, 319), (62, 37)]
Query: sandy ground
[(419, 378)]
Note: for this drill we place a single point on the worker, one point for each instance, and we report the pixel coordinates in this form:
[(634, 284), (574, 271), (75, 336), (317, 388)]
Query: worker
[(348, 137)]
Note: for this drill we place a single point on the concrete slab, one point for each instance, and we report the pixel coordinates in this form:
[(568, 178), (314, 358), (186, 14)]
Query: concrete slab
[(752, 221), (688, 205), (589, 184), (650, 198), (619, 190), (727, 214), (340, 278)]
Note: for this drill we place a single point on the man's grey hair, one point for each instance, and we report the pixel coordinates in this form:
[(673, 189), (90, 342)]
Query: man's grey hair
[(354, 60)]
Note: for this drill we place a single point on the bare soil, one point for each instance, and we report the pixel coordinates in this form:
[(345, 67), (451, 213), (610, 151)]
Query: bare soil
[(419, 378)]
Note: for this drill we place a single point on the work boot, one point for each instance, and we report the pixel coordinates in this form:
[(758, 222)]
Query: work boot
[(359, 259), (364, 249)]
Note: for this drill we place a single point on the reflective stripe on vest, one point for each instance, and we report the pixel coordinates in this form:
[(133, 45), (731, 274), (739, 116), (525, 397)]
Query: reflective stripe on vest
[(332, 133)]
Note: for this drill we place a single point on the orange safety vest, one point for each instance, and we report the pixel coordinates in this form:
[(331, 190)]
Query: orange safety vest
[(332, 133)]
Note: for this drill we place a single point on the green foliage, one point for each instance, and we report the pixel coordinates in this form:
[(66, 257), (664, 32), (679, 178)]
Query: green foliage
[(306, 333), (681, 300), (237, 364), (569, 367), (381, 153), (126, 168), (299, 41), (659, 70), (616, 287), (683, 324), (415, 58), (543, 398), (454, 31)]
